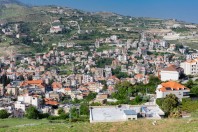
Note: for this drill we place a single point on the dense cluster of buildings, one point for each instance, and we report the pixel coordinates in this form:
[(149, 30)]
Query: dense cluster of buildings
[(45, 79)]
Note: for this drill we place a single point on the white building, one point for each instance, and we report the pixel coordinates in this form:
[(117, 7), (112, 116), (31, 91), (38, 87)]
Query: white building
[(87, 78), (171, 73), (35, 101), (192, 56), (20, 106), (171, 36), (124, 113), (172, 87), (56, 29), (190, 67)]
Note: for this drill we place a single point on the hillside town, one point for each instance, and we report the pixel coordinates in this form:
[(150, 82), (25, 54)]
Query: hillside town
[(70, 75), (45, 79)]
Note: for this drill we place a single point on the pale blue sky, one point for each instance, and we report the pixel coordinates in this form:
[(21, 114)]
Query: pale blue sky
[(179, 9)]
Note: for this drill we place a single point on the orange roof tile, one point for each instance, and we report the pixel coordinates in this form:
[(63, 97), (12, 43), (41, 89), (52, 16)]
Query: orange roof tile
[(39, 83), (170, 68), (138, 76), (67, 89), (172, 85), (49, 101), (56, 85)]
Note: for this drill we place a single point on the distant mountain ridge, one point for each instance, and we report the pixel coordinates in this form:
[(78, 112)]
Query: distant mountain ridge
[(2, 2)]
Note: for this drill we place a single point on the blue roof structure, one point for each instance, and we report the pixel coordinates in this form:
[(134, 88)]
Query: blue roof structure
[(130, 112)]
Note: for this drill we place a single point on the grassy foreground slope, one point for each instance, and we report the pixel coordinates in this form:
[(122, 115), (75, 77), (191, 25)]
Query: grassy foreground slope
[(165, 125)]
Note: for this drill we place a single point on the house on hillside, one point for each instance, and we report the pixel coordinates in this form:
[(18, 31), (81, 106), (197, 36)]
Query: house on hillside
[(172, 87)]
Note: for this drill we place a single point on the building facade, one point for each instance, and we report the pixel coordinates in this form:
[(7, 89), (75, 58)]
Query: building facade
[(172, 87), (171, 73), (190, 67)]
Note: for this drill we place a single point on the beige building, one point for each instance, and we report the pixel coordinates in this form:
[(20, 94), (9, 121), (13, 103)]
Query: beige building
[(190, 67)]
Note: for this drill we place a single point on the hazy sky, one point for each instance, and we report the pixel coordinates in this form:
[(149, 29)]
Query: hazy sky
[(186, 10)]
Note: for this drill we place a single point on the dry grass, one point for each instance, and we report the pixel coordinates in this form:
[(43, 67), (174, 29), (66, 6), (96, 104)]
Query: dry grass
[(165, 125)]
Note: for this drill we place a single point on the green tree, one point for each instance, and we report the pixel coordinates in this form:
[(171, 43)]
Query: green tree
[(105, 87), (138, 99), (61, 111), (124, 90), (4, 80), (91, 96), (170, 103), (32, 113), (4, 114), (189, 84), (194, 90), (117, 72), (101, 62), (84, 109), (74, 113)]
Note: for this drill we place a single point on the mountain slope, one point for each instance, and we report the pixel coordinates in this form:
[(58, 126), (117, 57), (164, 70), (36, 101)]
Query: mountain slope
[(3, 2)]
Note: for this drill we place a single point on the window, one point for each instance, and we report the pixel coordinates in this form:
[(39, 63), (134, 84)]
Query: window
[(168, 88), (185, 93)]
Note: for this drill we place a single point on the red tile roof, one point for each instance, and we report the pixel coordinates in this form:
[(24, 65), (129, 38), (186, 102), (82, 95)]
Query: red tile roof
[(172, 85), (170, 68), (49, 101), (56, 85)]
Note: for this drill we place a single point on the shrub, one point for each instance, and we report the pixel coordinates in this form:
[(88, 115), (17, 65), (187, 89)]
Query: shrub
[(44, 115), (4, 114), (32, 113)]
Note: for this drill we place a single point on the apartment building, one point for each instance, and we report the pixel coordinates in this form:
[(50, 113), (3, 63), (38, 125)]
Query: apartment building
[(190, 67), (171, 72)]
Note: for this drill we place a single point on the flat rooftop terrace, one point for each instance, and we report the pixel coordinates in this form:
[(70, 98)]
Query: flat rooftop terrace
[(116, 114)]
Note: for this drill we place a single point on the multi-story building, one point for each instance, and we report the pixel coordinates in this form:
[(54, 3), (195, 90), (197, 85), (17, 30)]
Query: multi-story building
[(171, 72), (172, 87), (190, 67), (87, 78)]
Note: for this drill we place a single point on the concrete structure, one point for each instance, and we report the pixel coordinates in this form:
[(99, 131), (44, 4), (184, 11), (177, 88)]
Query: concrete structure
[(26, 99), (130, 115), (171, 72), (20, 106), (190, 67), (172, 87), (124, 113)]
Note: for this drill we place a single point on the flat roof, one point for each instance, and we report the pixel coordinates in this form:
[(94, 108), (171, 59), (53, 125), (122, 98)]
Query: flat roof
[(130, 112), (116, 114)]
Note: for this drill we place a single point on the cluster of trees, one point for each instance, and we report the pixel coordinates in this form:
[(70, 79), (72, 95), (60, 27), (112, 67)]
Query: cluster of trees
[(170, 105), (117, 72), (33, 113), (81, 113), (125, 90), (4, 80), (193, 86), (102, 62)]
